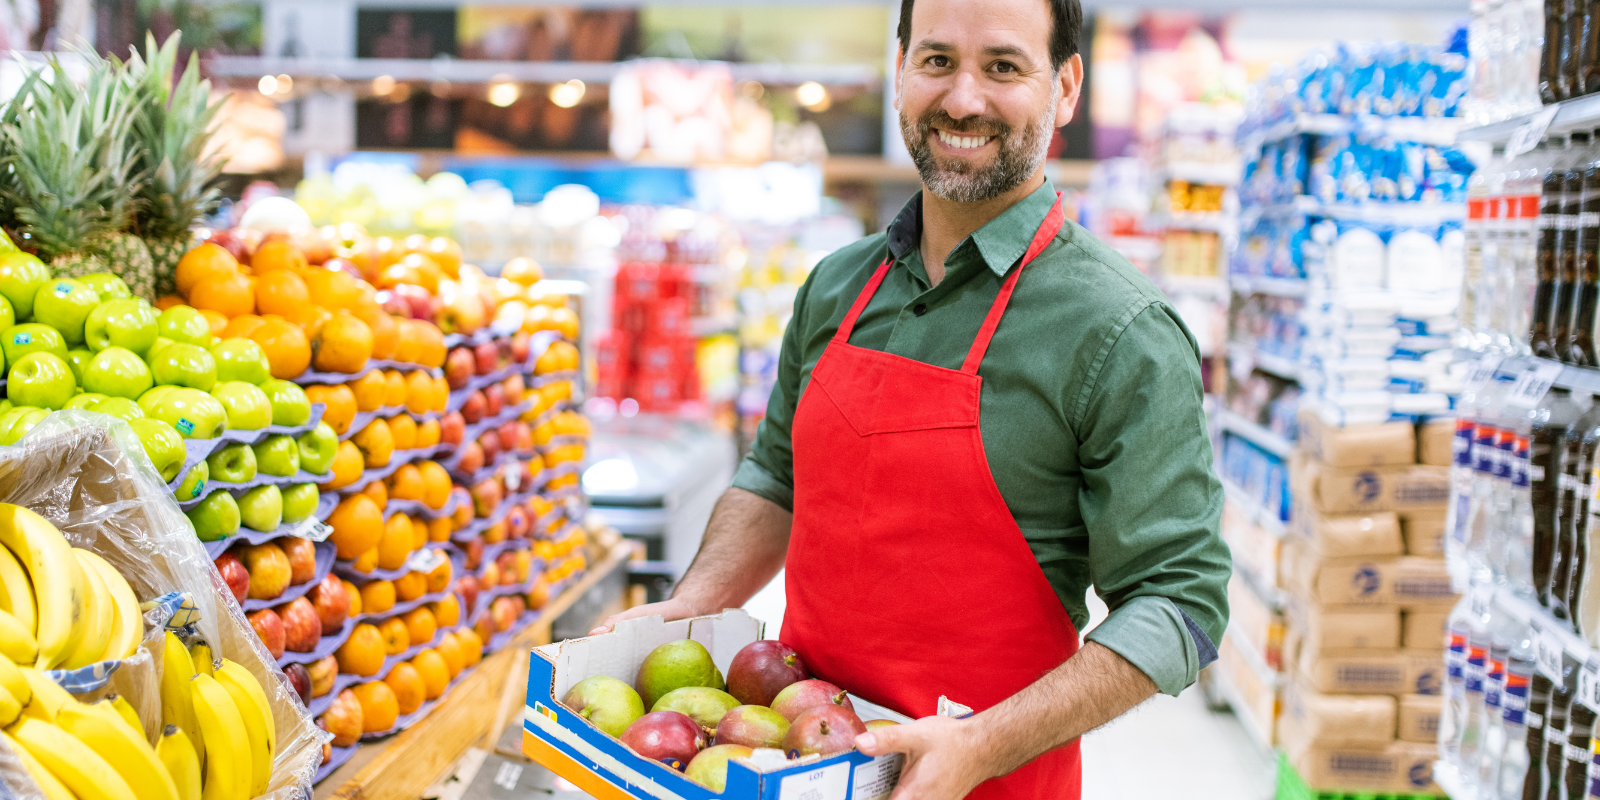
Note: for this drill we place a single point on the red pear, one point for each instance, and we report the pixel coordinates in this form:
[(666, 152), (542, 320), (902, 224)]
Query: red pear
[(796, 698), (823, 730), (762, 669), (666, 736)]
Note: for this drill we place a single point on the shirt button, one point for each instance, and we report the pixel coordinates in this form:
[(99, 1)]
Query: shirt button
[(919, 309)]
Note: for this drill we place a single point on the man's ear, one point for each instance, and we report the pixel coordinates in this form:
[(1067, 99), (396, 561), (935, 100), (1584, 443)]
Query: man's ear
[(1071, 78), (899, 77)]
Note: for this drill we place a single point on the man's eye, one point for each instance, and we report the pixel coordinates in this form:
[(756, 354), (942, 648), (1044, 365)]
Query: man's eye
[(939, 61), (1005, 66)]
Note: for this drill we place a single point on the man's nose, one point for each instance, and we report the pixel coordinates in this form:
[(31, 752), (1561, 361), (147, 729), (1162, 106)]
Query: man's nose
[(965, 98)]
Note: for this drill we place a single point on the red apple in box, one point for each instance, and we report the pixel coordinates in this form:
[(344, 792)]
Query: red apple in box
[(269, 627), (301, 625), (507, 435), (474, 553), (300, 679), (486, 497), (472, 459), (323, 672), (517, 523), (507, 562), (503, 345), (393, 304), (484, 626), (234, 574), (490, 576), (524, 436), (451, 428), (521, 346), (515, 388), (486, 358), (302, 555), (343, 719), (459, 367), (490, 443), (495, 399), (474, 409), (505, 612), (468, 586), (332, 603)]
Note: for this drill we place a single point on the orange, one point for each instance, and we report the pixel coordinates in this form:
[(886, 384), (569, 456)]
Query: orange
[(525, 271), (415, 243), (462, 515), (357, 525), (376, 443), (378, 492), (281, 292), (446, 612), (397, 274), (538, 593), (277, 255), (436, 484), (310, 320), (421, 623), (362, 653), (471, 645), (410, 586), (369, 390), (346, 468), (395, 546), (396, 637), (495, 534), (450, 650), (419, 533), (379, 707), (239, 326), (441, 394), (411, 341), (419, 392), (355, 596), (216, 321), (230, 295), (446, 253), (395, 393), (537, 319), (439, 578), (433, 353), (404, 431), (406, 483), (427, 273), (203, 262), (333, 289), (428, 433), (343, 344), (377, 597), (435, 673), (439, 530), (287, 349), (167, 301), (406, 683), (341, 404), (366, 562)]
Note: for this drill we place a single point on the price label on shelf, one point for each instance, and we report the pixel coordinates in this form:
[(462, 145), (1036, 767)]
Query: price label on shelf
[(1588, 676), (1547, 652), (1482, 370), (1528, 134), (1533, 383), (314, 529), (513, 477), (425, 560)]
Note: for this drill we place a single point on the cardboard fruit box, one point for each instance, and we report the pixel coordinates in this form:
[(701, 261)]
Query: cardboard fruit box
[(575, 749)]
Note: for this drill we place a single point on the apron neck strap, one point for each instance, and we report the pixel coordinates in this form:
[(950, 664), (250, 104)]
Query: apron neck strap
[(849, 324), (1041, 239)]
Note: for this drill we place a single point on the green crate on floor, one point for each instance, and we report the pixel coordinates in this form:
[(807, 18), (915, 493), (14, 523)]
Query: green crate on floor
[(1292, 787)]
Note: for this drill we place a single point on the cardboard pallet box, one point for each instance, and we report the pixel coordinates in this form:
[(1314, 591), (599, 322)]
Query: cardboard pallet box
[(1419, 718), (1390, 767), (1324, 628), (1436, 442), (1404, 581), (1423, 629), (1350, 535), (1339, 718), (1360, 490), (1393, 672), (1423, 532), (1252, 618), (1374, 445)]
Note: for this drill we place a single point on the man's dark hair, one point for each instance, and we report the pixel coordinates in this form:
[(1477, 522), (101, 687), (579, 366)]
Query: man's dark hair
[(1068, 16)]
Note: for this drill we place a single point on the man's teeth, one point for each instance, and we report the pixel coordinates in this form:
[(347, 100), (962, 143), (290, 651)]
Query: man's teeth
[(963, 142)]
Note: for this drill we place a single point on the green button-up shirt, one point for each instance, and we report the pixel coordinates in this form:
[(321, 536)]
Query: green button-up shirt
[(1091, 418)]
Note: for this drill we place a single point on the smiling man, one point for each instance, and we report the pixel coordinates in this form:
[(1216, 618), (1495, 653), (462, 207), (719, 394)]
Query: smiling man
[(979, 414)]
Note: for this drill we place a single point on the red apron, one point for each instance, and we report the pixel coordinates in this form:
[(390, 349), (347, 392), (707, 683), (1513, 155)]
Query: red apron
[(907, 577)]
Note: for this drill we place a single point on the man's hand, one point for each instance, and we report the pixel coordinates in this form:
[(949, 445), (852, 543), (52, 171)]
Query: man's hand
[(668, 610), (945, 758)]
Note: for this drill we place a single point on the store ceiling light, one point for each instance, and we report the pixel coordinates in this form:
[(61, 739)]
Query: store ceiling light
[(268, 85), (567, 95), (383, 84), (812, 95), (503, 93)]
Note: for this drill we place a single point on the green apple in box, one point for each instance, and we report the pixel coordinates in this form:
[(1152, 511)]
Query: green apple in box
[(31, 337), (300, 502), (216, 517), (261, 508), (108, 286), (233, 462), (290, 406), (42, 380), (195, 414), (318, 446), (184, 324), (248, 406), (239, 359), (21, 275), (162, 444), (194, 483), (64, 304), (123, 323), (117, 372), (277, 455), (183, 364)]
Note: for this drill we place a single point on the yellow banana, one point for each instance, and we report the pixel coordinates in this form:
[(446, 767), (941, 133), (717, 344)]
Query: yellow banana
[(125, 710), (10, 709), (58, 581), (177, 755), (127, 625), (256, 725), (258, 696), (177, 697), (83, 771), (101, 612), (15, 682), (16, 593), (204, 662), (228, 754), (48, 696), (17, 642), (101, 728), (53, 790)]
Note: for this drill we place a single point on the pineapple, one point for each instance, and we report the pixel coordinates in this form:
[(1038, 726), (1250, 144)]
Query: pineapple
[(172, 130), (70, 185)]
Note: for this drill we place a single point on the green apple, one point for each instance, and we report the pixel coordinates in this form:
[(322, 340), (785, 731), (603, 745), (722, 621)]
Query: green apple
[(23, 423), (216, 517), (42, 380), (86, 401), (162, 444), (155, 347), (261, 508), (195, 414), (239, 359), (5, 405), (8, 315), (78, 361), (10, 417), (117, 372), (108, 286), (290, 407), (277, 455), (194, 483), (148, 400), (123, 322), (21, 275), (120, 407), (184, 324), (299, 502), (6, 244), (184, 364), (31, 337), (248, 406), (64, 304), (317, 448), (233, 462)]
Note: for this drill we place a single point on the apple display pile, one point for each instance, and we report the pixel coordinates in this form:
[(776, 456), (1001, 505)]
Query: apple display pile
[(697, 721)]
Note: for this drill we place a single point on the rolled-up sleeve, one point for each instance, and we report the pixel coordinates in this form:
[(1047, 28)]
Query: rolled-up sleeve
[(1150, 501), (768, 469)]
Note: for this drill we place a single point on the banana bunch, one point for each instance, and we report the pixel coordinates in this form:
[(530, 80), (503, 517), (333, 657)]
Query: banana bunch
[(222, 715), (60, 607)]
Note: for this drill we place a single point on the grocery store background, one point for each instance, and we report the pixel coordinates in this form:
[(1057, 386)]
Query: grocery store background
[(679, 166)]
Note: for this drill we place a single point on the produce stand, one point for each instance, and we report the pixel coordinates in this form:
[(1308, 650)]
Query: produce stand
[(402, 767)]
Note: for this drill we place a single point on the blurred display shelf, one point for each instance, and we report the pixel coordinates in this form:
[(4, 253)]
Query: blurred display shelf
[(1424, 130), (1285, 368), (701, 327), (1204, 173), (1577, 113), (1213, 222), (1212, 286), (1136, 248), (873, 169), (1276, 287), (1255, 433), (471, 71), (1394, 213), (1255, 511)]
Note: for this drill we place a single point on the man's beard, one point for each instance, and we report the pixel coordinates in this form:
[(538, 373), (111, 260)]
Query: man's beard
[(1021, 151)]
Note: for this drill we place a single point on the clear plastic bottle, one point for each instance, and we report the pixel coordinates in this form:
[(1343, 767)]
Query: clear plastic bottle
[(1518, 560), (1476, 402), (1505, 749), (1517, 234), (1472, 331), (1468, 618), (1490, 481), (1474, 686)]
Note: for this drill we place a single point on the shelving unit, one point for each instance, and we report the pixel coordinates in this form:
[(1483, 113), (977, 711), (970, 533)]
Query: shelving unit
[(1579, 112), (1266, 362), (1255, 433), (1255, 511)]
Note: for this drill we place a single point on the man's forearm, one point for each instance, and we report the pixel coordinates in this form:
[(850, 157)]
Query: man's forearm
[(744, 547), (1086, 691)]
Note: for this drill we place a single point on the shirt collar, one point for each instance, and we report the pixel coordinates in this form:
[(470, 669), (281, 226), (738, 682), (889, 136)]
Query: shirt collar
[(1001, 241)]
